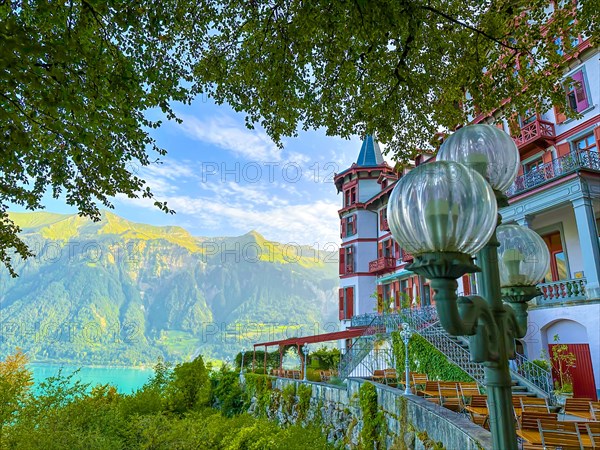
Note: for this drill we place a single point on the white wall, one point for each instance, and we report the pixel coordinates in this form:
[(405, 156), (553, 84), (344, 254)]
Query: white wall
[(541, 327)]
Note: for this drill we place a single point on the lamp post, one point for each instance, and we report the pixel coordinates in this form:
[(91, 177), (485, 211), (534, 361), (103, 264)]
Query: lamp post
[(445, 213), (406, 334), (242, 378), (305, 350)]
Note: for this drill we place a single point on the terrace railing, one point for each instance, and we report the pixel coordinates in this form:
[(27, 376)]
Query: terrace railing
[(561, 291), (559, 167)]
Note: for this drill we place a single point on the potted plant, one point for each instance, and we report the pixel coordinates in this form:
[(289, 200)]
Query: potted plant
[(562, 361)]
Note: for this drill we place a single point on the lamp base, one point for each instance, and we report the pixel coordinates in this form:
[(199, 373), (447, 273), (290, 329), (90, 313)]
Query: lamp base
[(443, 265), (519, 294)]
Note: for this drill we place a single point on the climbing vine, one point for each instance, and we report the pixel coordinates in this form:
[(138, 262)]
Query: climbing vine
[(304, 395), (374, 429), (425, 358)]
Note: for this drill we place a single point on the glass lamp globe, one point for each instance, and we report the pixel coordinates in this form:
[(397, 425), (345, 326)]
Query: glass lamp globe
[(442, 207), (523, 257), (486, 149)]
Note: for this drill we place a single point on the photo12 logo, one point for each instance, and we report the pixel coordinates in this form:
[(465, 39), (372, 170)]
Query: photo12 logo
[(254, 172)]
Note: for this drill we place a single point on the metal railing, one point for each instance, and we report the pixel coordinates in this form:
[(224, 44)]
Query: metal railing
[(563, 165), (561, 291), (426, 323)]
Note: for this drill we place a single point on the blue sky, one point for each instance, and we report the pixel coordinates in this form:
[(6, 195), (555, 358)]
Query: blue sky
[(223, 179)]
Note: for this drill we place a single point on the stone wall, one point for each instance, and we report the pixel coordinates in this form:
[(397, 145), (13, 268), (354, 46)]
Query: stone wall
[(412, 422)]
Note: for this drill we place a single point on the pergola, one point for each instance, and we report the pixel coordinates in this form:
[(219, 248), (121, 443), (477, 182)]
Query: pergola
[(298, 342)]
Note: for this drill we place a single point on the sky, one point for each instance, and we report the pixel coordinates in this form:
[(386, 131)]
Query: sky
[(223, 179)]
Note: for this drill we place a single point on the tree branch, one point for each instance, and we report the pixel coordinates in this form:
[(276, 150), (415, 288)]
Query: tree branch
[(470, 27)]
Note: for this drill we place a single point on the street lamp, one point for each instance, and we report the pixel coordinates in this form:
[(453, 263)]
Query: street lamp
[(406, 334), (242, 378), (305, 350), (445, 213)]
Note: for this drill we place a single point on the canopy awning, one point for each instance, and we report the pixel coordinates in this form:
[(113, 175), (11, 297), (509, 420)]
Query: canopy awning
[(300, 341)]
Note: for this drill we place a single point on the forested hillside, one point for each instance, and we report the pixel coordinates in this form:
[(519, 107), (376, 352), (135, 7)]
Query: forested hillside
[(118, 292)]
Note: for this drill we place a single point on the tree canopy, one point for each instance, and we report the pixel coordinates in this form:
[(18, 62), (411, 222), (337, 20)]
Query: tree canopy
[(78, 78)]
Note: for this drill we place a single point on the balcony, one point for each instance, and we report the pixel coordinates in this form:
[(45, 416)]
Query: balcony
[(380, 265), (406, 256), (539, 133), (562, 291), (557, 168)]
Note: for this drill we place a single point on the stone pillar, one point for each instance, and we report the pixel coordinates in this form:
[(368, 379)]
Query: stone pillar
[(590, 248)]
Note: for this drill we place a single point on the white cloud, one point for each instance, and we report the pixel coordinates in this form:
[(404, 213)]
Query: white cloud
[(306, 223), (225, 133)]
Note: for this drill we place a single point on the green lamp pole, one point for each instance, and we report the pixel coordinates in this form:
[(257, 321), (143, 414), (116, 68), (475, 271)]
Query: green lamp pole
[(444, 213)]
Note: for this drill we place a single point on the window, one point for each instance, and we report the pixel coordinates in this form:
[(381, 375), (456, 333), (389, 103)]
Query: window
[(534, 166), (529, 117), (383, 223), (351, 225), (346, 260), (388, 248), (576, 92), (350, 259), (350, 196), (586, 143)]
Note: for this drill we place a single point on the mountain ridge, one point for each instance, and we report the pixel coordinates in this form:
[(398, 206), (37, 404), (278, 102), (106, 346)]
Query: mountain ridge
[(117, 291)]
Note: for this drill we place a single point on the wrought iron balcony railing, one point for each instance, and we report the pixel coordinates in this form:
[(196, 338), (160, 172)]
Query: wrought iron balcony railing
[(561, 166)]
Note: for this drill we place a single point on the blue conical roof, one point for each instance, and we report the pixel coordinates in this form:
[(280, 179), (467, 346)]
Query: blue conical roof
[(370, 154)]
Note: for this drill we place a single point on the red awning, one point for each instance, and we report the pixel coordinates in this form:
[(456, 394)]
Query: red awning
[(335, 336)]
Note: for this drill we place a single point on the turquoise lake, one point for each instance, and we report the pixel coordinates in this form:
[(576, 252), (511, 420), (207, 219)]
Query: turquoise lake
[(125, 379)]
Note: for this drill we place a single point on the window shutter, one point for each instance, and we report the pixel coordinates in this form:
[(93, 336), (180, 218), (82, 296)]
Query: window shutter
[(580, 92), (397, 254), (597, 137), (342, 260), (354, 224), (344, 228), (349, 302), (397, 294), (466, 285), (547, 157), (559, 115), (379, 249), (341, 305), (563, 149)]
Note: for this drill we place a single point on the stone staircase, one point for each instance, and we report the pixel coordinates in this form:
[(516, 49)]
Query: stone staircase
[(528, 379)]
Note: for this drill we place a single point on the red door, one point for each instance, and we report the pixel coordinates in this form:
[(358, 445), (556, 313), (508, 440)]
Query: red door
[(582, 374)]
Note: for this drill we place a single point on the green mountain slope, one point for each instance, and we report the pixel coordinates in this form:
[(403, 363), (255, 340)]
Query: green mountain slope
[(118, 292)]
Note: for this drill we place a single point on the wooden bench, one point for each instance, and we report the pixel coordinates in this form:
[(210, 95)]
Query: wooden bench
[(418, 379), (595, 410), (449, 396), (534, 404), (390, 377), (578, 407)]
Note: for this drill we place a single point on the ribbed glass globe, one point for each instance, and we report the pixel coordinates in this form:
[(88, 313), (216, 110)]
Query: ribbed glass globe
[(486, 149), (442, 207), (523, 257)]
